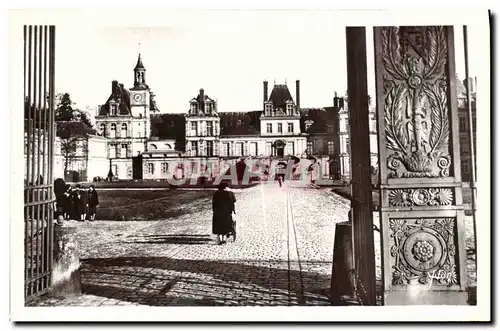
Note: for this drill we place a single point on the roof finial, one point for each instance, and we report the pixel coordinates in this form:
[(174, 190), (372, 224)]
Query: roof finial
[(285, 81), (275, 81), (139, 49)]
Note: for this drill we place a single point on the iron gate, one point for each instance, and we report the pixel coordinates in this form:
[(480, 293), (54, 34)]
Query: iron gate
[(39, 131)]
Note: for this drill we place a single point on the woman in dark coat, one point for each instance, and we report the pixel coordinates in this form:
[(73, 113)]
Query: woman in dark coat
[(223, 206), (68, 203), (80, 203), (93, 202)]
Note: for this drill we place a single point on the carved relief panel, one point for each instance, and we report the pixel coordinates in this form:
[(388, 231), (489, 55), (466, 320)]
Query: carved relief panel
[(421, 211), (416, 106), (421, 248)]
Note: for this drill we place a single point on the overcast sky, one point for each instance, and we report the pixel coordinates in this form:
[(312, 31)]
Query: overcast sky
[(226, 54)]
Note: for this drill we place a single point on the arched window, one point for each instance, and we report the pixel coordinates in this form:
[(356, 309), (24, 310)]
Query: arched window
[(168, 146), (112, 131), (153, 147), (123, 133), (102, 129)]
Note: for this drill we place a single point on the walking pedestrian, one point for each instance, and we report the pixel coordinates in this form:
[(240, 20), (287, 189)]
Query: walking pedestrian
[(93, 202), (223, 206)]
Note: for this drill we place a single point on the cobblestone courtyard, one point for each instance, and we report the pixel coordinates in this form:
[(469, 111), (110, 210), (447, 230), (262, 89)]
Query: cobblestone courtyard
[(282, 254)]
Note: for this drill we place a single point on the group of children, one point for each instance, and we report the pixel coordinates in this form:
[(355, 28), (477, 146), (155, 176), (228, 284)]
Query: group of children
[(78, 203)]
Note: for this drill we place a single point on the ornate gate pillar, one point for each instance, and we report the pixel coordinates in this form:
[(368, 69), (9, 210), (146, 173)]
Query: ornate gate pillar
[(421, 214)]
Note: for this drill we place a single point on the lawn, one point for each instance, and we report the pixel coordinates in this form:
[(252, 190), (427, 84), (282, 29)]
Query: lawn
[(160, 183), (135, 205)]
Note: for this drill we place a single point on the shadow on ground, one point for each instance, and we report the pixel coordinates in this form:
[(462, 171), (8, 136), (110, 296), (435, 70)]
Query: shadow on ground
[(160, 281), (170, 239)]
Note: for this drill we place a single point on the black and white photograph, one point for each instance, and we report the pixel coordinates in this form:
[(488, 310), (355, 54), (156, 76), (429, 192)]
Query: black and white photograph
[(299, 165)]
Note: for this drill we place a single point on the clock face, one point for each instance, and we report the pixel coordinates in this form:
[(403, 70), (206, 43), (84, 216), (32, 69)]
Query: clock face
[(137, 97)]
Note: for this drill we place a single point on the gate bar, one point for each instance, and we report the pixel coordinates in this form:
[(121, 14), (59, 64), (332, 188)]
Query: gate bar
[(471, 136), (361, 186)]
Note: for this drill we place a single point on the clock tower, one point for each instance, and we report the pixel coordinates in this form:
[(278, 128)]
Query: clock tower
[(140, 98)]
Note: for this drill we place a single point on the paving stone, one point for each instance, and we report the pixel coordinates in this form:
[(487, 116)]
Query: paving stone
[(285, 242)]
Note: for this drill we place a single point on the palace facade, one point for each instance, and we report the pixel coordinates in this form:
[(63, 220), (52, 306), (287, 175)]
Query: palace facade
[(143, 143)]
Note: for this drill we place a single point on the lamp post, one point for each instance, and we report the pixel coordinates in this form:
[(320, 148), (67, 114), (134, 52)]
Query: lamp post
[(110, 173)]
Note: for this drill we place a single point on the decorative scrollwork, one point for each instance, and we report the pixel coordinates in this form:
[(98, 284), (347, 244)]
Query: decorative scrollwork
[(421, 197), (416, 105)]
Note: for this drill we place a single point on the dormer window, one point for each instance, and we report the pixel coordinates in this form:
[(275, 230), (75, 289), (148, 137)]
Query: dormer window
[(308, 124), (194, 107), (269, 109), (113, 109), (289, 109)]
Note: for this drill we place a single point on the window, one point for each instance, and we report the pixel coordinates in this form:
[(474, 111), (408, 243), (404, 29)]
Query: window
[(253, 149), (194, 148), (331, 148), (309, 147), (112, 132), (463, 124), (329, 127), (150, 168), (465, 167), (289, 109), (280, 128), (123, 152), (269, 108), (164, 167), (113, 107), (269, 128), (194, 107), (290, 127), (242, 149), (210, 148), (464, 149), (238, 149), (102, 129), (347, 147), (153, 147), (123, 134), (308, 124), (210, 128), (225, 149), (112, 151), (194, 128)]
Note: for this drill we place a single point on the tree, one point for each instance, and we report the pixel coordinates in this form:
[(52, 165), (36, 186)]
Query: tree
[(72, 136), (66, 113), (69, 145)]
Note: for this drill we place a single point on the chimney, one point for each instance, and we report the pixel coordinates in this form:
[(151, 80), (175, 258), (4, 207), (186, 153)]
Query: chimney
[(114, 86), (202, 97), (297, 93), (265, 90)]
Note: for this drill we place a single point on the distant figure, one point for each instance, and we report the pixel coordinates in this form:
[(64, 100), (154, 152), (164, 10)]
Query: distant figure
[(93, 202), (280, 180), (80, 203), (223, 205), (68, 203)]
